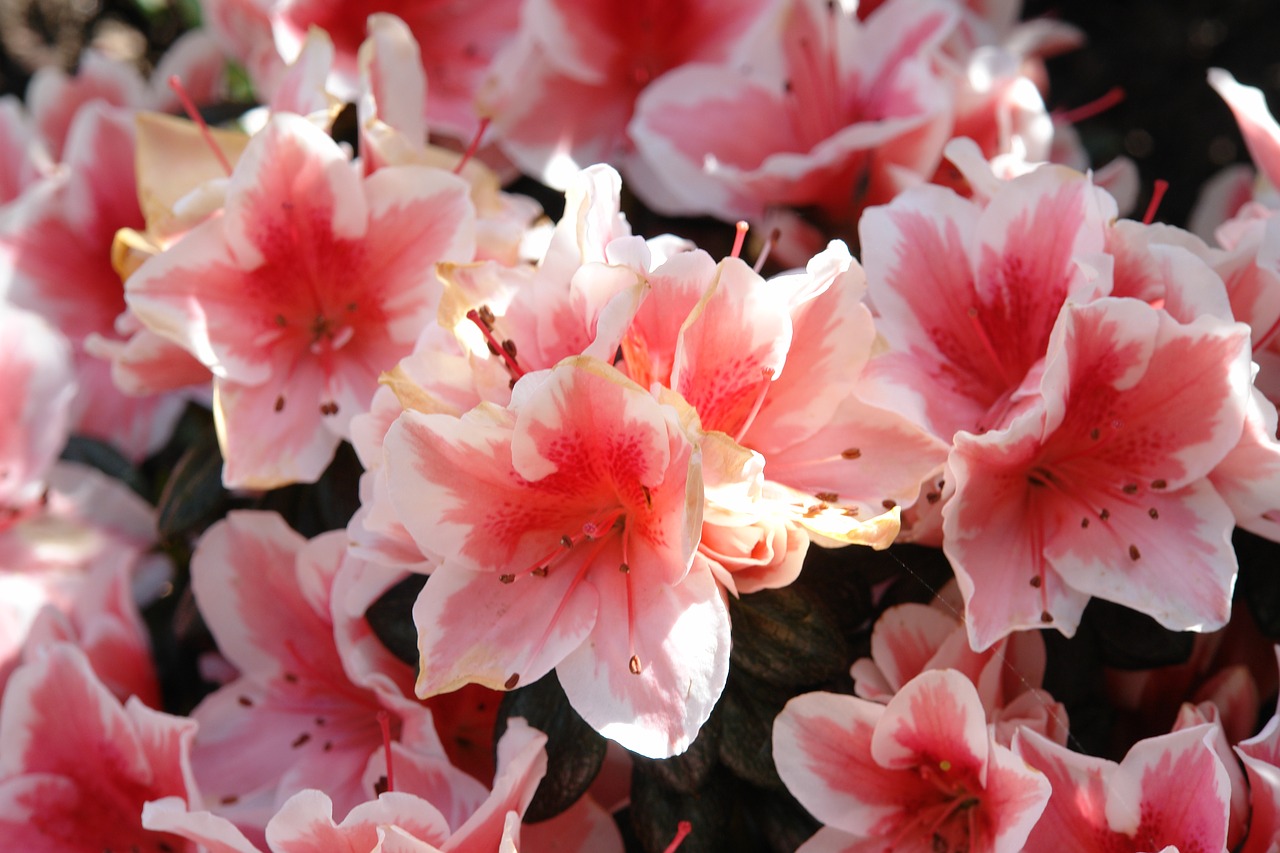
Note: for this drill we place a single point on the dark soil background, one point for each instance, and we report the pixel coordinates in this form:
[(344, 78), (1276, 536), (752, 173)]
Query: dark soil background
[(1171, 123)]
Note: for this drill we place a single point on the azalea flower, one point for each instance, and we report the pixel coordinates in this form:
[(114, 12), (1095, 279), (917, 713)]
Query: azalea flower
[(569, 522), (76, 766), (1100, 483), (310, 284), (1168, 793), (920, 773)]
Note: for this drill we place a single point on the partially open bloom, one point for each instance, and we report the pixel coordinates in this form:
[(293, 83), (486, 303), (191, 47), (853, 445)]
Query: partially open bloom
[(569, 544), (921, 773)]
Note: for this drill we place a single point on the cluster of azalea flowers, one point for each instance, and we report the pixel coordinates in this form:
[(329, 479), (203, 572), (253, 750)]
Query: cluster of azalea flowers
[(589, 440)]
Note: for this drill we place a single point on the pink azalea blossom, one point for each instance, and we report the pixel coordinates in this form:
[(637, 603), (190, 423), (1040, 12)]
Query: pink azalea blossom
[(296, 717), (562, 92), (847, 116), (1100, 484), (76, 766), (458, 41), (966, 294), (921, 773), (1169, 793), (569, 545), (72, 569), (395, 821), (35, 373), (913, 638), (310, 284)]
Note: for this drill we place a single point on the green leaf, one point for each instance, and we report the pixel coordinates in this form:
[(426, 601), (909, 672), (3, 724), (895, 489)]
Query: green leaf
[(104, 457), (747, 710), (788, 637), (575, 751), (688, 771), (193, 496), (391, 618)]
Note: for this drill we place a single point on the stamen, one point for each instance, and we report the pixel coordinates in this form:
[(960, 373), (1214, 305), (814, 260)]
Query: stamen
[(774, 236), (766, 374), (473, 147), (1113, 96), (384, 723), (738, 238), (1157, 195), (495, 347), (511, 682), (987, 344), (683, 828), (189, 108)]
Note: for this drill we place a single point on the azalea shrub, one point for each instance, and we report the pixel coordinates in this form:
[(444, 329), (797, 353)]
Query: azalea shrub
[(589, 426)]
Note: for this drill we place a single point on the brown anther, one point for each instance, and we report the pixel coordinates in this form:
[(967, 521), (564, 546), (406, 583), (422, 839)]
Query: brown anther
[(1130, 488), (566, 542), (634, 665), (291, 678), (328, 746), (511, 682), (540, 572), (328, 408), (1035, 481), (888, 504), (229, 800), (1104, 515), (320, 721), (1159, 484), (1095, 433), (492, 349), (827, 497), (1153, 512), (245, 701), (1133, 552), (300, 740), (932, 497), (281, 321), (351, 307), (280, 403), (1045, 616), (850, 512), (624, 568), (507, 578), (851, 453), (1084, 522), (1035, 582), (510, 346), (485, 313)]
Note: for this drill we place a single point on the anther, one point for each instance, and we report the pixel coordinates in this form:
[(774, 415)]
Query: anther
[(511, 682), (1159, 484), (634, 665), (540, 572), (566, 541), (507, 578), (300, 740), (624, 568), (1130, 488), (850, 453), (1035, 581), (1104, 515), (1133, 552), (1153, 512), (279, 403), (1045, 616), (828, 497), (888, 504)]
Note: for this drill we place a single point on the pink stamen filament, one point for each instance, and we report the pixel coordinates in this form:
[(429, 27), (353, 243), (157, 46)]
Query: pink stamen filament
[(739, 237), (766, 374), (683, 828), (1113, 96), (512, 365), (774, 236), (987, 344), (473, 147), (189, 108), (384, 722), (632, 658), (1157, 195), (587, 563), (1268, 335)]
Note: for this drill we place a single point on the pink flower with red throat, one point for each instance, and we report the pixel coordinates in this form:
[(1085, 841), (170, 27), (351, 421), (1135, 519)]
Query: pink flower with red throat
[(966, 294), (76, 766), (570, 521), (1168, 793), (846, 116), (1099, 486), (913, 638), (302, 713), (562, 92), (311, 283), (920, 773)]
